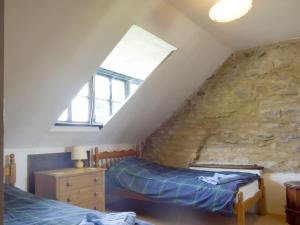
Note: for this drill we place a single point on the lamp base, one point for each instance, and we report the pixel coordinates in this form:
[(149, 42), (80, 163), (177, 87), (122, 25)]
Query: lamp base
[(79, 164)]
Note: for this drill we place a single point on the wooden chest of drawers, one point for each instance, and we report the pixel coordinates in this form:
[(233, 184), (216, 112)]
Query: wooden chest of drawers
[(293, 203), (82, 187)]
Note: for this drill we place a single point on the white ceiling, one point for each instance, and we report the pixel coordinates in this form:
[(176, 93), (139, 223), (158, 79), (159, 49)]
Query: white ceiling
[(269, 21), (53, 47)]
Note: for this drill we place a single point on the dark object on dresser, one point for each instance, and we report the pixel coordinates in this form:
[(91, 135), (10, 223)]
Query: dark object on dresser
[(293, 202)]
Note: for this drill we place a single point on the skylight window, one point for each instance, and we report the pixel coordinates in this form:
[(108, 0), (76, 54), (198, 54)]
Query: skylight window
[(133, 59), (137, 54)]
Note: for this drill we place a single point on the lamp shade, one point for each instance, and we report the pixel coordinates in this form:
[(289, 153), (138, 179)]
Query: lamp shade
[(78, 153)]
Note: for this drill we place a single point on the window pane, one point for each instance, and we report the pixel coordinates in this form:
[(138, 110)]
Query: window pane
[(102, 87), (133, 88), (116, 106), (84, 91), (118, 90), (80, 109), (102, 111), (64, 116)]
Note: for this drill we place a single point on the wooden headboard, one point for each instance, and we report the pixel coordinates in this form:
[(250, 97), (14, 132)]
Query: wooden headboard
[(10, 170), (107, 159)]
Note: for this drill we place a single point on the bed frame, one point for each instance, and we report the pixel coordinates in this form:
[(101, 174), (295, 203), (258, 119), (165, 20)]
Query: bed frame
[(9, 172), (107, 159)]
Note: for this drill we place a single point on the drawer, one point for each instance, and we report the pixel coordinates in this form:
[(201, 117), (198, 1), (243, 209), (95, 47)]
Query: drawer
[(72, 197), (93, 205), (87, 194), (77, 182), (90, 193)]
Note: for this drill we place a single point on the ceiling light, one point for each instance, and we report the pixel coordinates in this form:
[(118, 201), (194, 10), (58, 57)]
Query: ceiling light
[(228, 10)]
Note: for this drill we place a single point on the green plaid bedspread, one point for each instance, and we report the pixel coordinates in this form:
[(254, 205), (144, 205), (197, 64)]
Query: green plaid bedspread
[(179, 186), (23, 208)]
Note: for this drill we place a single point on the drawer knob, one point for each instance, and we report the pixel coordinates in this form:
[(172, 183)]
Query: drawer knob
[(68, 199), (96, 193), (95, 207), (96, 179), (68, 184)]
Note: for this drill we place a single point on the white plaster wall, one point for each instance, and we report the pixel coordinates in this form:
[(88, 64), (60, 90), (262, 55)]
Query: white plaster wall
[(275, 190), (52, 47), (22, 153)]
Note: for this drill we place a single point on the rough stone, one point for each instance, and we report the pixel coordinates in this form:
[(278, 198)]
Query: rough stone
[(271, 125), (288, 92), (248, 112), (296, 149), (285, 138), (293, 163), (218, 149)]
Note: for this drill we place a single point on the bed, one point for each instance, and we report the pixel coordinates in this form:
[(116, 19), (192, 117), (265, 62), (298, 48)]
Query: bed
[(23, 208), (245, 194)]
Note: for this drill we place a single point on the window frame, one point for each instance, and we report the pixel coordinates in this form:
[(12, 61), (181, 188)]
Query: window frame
[(111, 75)]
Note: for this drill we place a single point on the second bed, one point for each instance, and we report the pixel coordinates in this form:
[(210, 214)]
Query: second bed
[(132, 177)]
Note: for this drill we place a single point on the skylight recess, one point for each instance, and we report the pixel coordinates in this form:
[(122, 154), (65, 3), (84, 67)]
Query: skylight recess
[(137, 54), (133, 59)]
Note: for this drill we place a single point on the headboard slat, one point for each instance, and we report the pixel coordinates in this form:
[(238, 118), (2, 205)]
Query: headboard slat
[(107, 159)]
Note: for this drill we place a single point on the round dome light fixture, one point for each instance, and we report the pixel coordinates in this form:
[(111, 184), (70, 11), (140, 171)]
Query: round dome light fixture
[(228, 10)]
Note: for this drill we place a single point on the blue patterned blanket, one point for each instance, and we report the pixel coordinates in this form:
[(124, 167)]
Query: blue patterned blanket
[(23, 208), (175, 185)]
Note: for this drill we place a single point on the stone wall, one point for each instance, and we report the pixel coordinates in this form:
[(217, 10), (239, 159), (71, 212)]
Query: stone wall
[(247, 113)]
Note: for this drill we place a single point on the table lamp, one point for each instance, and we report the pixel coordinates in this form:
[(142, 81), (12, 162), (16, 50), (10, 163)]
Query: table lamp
[(79, 153)]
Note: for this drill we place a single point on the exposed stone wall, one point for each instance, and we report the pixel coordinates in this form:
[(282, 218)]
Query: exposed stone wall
[(248, 112)]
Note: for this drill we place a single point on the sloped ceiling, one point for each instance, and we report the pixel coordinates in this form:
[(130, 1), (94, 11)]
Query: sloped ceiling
[(53, 47), (269, 21)]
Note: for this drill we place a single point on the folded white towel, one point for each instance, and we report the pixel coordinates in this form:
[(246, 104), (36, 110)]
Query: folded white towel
[(219, 178)]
